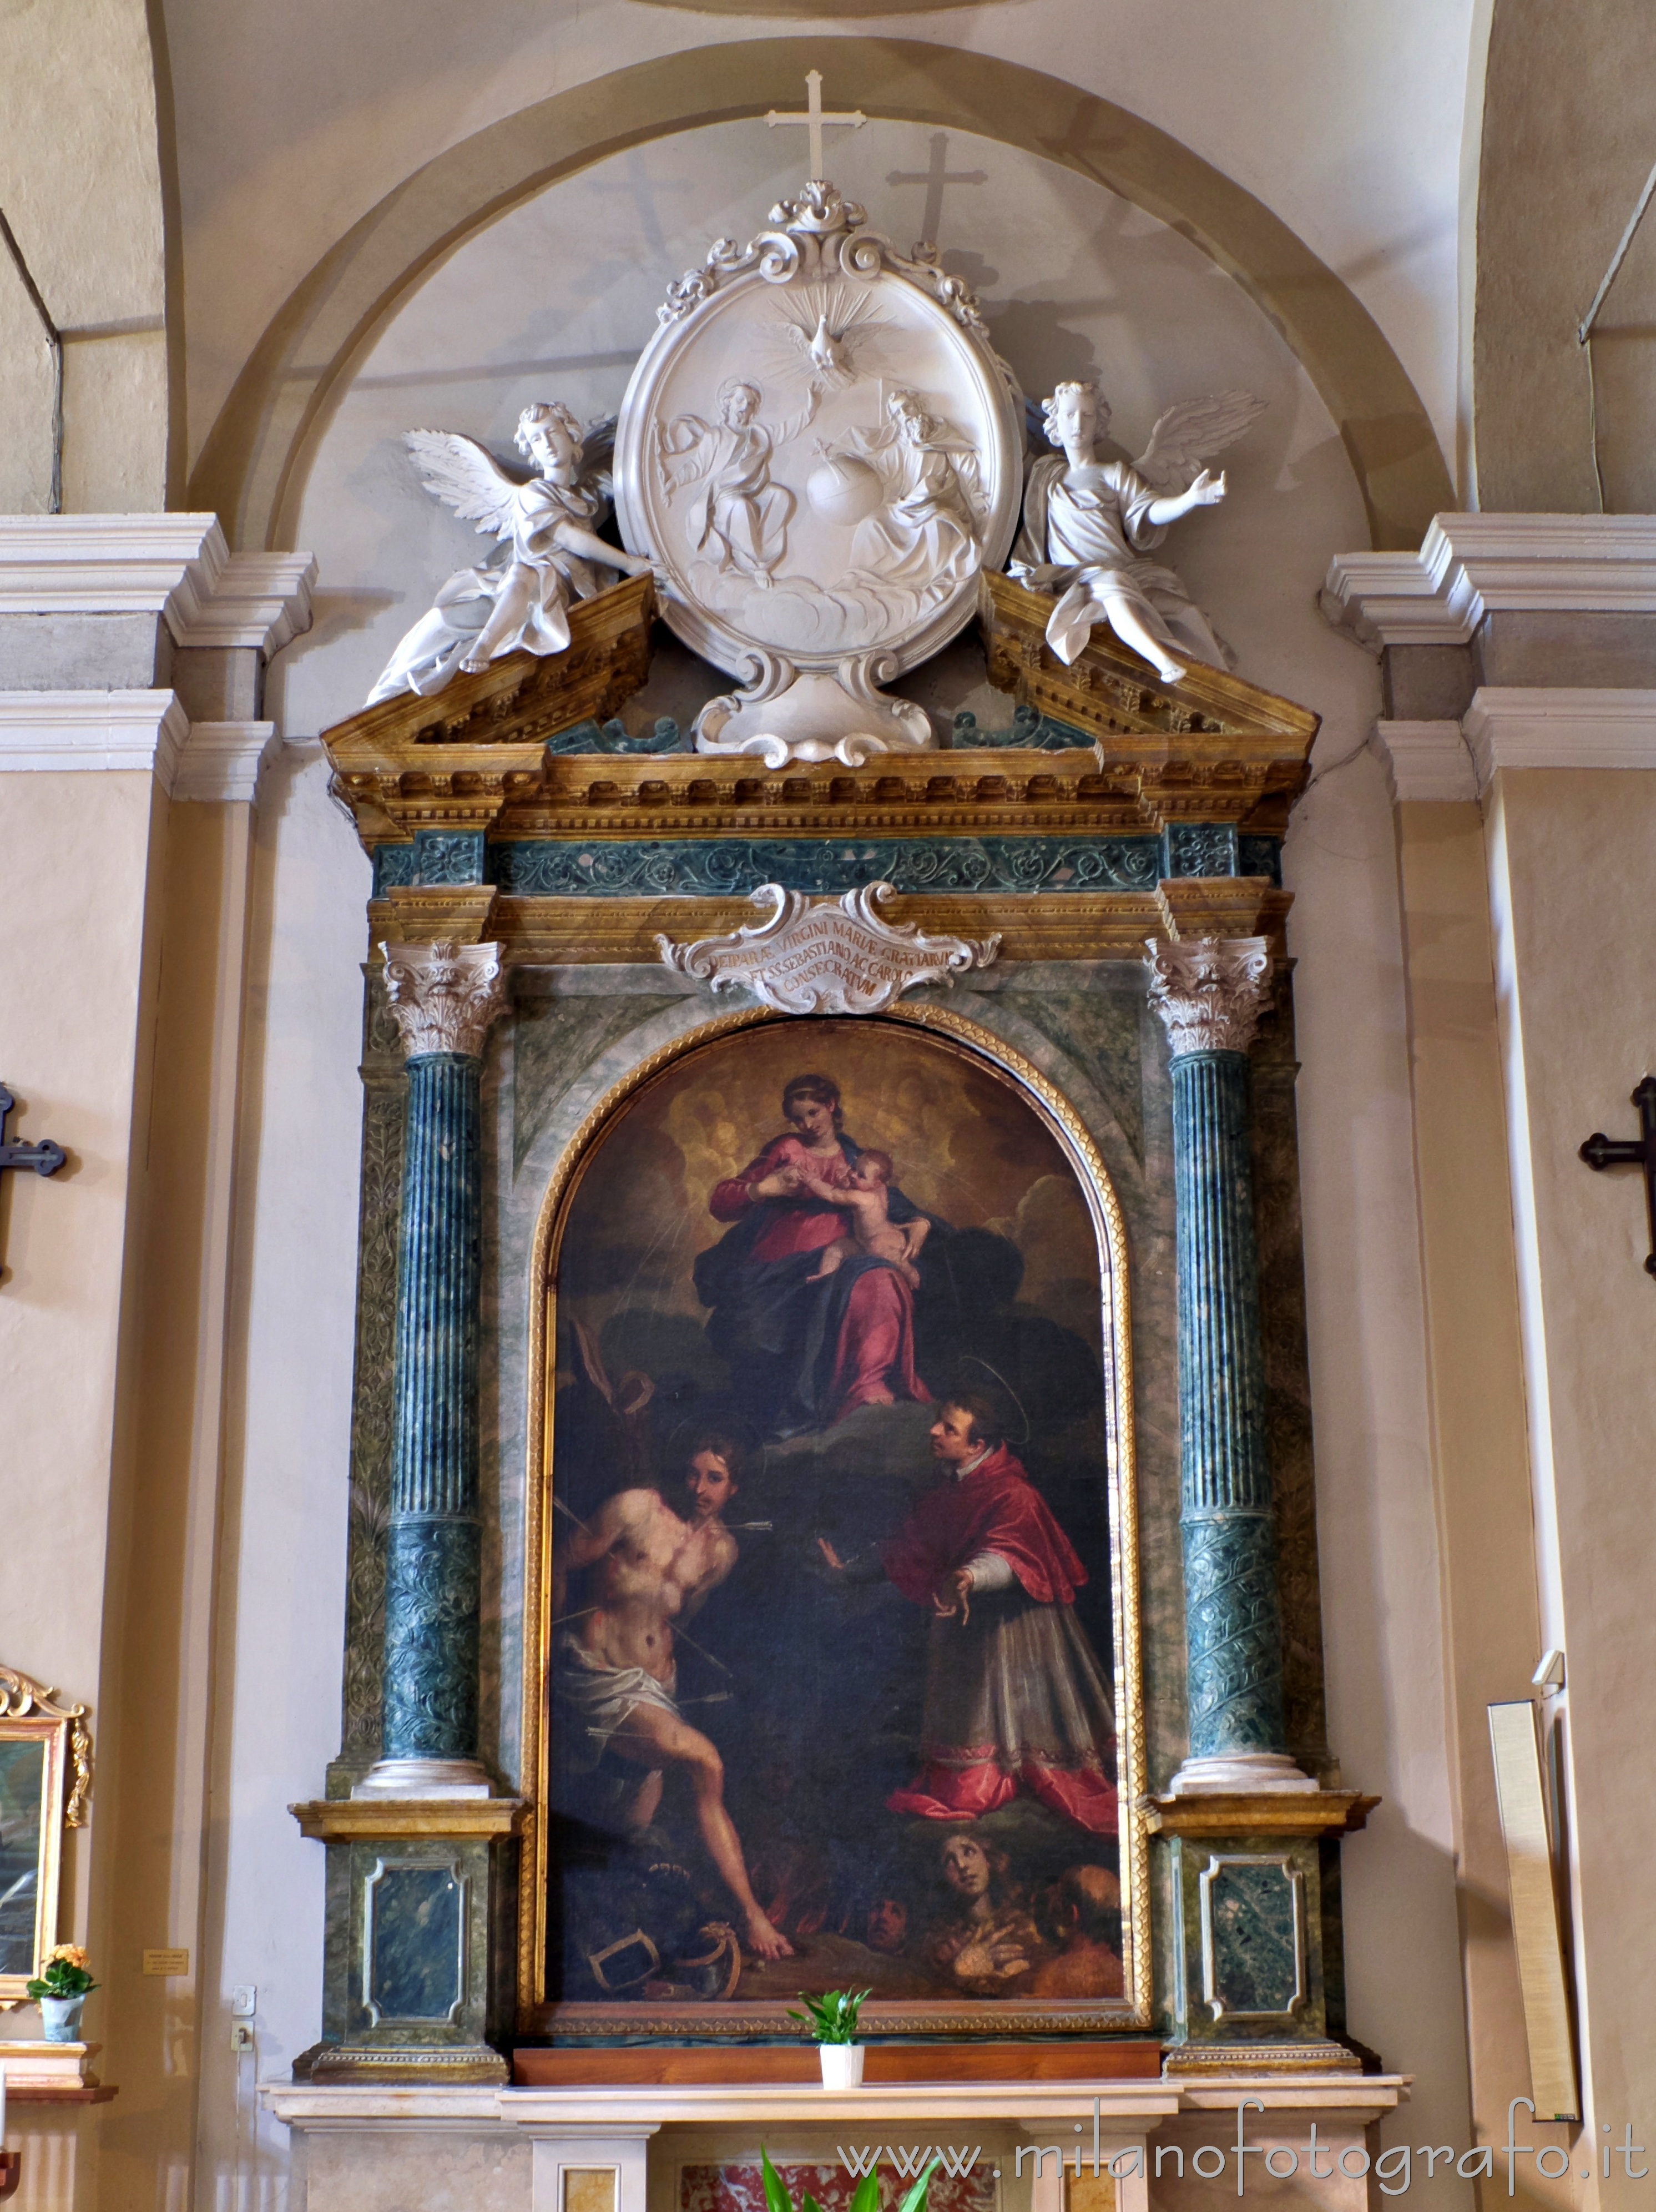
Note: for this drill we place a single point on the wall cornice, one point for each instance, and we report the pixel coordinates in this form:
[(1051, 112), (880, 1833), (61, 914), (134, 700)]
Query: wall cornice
[(80, 733), (93, 732), (1524, 727), (1472, 565), (1426, 761), (177, 566)]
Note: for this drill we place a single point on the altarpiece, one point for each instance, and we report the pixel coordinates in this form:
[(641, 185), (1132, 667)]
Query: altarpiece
[(831, 1445)]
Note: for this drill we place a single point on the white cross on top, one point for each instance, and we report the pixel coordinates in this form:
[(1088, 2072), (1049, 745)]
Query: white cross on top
[(814, 120)]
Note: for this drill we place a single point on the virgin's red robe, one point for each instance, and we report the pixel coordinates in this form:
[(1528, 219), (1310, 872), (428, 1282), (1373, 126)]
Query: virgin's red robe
[(1015, 1693)]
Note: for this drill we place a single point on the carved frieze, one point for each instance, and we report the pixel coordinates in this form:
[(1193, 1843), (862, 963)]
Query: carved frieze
[(825, 956)]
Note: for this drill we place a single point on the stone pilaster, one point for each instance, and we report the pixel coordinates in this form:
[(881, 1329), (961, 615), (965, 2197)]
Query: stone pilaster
[(1210, 995), (443, 997)]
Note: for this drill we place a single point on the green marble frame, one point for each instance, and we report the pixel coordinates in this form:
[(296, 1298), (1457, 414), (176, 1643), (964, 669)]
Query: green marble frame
[(699, 2022)]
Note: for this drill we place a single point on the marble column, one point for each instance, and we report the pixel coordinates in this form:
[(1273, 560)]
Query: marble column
[(1210, 994), (443, 997)]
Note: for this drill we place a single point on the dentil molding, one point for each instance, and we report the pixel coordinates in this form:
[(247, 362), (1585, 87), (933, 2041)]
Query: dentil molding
[(174, 565), (1209, 991), (1470, 565)]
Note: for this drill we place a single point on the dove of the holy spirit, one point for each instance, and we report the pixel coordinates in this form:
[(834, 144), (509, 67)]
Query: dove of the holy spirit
[(816, 121)]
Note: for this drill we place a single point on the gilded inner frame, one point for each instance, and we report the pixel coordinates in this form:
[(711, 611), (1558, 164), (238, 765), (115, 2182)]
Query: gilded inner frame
[(988, 2003), (33, 1770)]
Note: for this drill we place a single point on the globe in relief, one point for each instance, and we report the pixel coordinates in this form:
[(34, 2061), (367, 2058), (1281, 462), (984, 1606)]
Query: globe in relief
[(844, 490)]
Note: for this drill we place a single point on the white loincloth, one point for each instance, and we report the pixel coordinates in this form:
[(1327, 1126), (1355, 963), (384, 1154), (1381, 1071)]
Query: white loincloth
[(598, 1699)]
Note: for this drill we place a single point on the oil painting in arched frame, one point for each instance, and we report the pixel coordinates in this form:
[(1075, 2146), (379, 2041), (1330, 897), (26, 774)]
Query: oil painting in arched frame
[(832, 1657)]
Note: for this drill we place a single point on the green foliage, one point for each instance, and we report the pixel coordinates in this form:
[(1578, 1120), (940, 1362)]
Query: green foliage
[(66, 1974), (865, 2197), (831, 2019)]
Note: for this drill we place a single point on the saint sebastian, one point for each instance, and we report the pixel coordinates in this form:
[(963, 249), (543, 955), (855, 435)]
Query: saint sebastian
[(613, 1668)]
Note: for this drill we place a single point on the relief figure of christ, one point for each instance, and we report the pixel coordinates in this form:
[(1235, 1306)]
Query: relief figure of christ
[(614, 1666), (742, 518)]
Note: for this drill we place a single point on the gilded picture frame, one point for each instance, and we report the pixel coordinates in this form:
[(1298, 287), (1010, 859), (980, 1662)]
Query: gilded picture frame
[(543, 2012), (40, 1752)]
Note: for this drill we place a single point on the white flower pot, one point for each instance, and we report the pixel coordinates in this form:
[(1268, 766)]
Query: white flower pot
[(61, 2017), (842, 2064)]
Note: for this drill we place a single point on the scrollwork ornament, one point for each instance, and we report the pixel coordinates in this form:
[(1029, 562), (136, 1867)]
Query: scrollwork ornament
[(444, 995), (22, 1698), (1210, 991), (825, 956)]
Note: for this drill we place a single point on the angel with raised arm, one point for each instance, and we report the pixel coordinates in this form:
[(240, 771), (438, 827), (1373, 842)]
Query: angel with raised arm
[(1088, 524), (556, 553)]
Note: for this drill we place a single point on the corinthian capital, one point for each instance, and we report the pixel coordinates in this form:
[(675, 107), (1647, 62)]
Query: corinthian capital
[(444, 995), (1210, 991)]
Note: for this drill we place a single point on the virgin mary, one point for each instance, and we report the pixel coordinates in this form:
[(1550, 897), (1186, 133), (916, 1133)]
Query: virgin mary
[(806, 1346)]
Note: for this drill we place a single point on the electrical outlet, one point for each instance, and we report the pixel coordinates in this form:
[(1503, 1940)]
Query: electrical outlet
[(241, 2037), (244, 2001)]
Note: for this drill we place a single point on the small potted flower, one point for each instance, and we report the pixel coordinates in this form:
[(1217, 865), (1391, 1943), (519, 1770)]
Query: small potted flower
[(832, 2022), (61, 1992)]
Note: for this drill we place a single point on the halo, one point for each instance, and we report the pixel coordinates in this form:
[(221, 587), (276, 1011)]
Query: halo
[(971, 1359)]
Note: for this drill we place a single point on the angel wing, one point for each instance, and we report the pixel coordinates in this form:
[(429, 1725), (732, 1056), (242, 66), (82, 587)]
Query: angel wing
[(1191, 434), (466, 477), (598, 454)]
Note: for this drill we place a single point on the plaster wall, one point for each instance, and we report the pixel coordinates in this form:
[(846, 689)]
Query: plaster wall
[(1475, 1380), (1377, 1536), (1566, 149), (80, 183), (77, 854), (1347, 124), (280, 1620), (1568, 854)]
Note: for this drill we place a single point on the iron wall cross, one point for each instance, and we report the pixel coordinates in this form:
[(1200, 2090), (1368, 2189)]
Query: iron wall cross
[(1601, 1152)]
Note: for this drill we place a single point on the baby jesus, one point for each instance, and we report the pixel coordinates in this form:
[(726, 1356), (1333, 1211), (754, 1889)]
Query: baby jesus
[(864, 1196)]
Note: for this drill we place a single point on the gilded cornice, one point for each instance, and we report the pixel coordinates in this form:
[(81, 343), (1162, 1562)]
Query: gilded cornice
[(1209, 749), (1031, 924)]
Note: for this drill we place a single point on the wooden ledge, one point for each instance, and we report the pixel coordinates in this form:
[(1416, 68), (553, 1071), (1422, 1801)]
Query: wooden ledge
[(1258, 1813), (347, 1819), (535, 2067)]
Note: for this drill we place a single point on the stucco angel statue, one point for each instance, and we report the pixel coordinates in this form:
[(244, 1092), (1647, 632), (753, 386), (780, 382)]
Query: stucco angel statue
[(1088, 524), (554, 552)]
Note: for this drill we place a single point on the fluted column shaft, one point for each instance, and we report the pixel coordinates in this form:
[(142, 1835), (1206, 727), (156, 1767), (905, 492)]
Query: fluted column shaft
[(444, 997), (1210, 995), (434, 1543)]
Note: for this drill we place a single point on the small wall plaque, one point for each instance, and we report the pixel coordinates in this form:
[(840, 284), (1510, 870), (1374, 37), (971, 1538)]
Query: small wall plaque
[(166, 1962)]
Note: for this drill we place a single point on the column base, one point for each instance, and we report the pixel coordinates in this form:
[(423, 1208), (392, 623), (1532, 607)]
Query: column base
[(1236, 1772), (424, 1778), (467, 2062)]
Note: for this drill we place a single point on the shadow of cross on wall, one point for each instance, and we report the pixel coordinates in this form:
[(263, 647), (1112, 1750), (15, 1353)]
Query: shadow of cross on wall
[(935, 176)]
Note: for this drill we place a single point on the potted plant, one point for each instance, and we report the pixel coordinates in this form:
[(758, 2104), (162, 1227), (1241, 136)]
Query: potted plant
[(832, 2021), (61, 1991), (865, 2197)]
